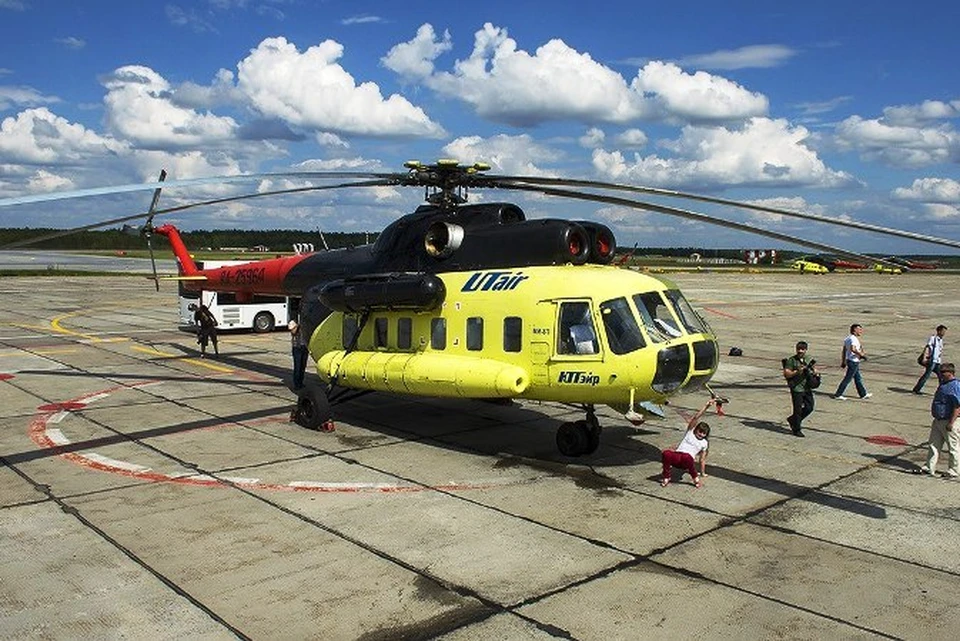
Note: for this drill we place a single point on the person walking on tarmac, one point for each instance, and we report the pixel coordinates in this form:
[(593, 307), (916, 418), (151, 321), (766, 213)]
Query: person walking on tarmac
[(797, 370), (206, 329), (850, 358), (932, 354)]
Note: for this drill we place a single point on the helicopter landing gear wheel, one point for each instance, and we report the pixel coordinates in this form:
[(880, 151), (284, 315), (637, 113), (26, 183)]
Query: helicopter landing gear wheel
[(313, 410), (578, 438)]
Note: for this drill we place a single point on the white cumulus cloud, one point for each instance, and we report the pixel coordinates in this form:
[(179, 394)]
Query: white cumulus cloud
[(906, 135), (931, 190), (506, 84), (139, 108), (310, 89), (414, 59), (762, 152), (697, 97), (39, 137), (518, 155)]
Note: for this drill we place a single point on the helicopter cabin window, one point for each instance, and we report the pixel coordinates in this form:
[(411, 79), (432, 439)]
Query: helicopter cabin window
[(690, 319), (380, 332), (474, 333), (349, 331), (404, 333), (657, 319), (576, 334), (623, 333), (438, 333), (512, 333)]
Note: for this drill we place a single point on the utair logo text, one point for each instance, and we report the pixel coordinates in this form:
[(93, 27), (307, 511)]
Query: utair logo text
[(496, 281), (578, 378)]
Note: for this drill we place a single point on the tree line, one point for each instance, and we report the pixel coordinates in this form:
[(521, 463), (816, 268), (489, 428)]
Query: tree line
[(277, 240)]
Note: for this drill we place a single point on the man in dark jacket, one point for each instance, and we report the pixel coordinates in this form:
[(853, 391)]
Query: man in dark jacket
[(797, 370)]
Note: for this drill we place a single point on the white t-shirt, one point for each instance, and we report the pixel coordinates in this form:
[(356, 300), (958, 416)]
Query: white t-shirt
[(935, 343), (848, 346), (691, 444)]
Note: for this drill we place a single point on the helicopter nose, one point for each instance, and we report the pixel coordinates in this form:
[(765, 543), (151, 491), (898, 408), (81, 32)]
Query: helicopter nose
[(687, 365)]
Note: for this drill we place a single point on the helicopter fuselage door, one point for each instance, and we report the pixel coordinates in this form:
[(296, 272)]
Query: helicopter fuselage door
[(541, 343), (575, 349)]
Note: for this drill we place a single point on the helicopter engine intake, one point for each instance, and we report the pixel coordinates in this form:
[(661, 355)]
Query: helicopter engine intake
[(443, 239)]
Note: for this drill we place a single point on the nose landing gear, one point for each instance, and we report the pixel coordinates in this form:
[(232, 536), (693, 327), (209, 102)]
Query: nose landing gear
[(579, 438)]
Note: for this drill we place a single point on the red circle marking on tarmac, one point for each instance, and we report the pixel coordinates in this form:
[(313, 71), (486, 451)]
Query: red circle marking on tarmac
[(5, 377), (890, 441), (52, 438)]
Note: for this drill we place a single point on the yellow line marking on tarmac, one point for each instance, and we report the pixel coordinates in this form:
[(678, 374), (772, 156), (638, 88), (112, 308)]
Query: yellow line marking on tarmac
[(55, 324), (20, 353), (194, 361)]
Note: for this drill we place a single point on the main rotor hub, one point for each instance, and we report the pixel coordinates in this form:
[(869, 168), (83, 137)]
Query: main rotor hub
[(446, 182)]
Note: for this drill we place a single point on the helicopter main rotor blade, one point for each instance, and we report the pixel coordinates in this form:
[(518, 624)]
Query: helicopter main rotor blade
[(190, 182), (692, 215), (170, 210), (853, 224)]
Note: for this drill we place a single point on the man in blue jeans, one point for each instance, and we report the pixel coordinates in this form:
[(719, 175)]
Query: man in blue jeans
[(850, 358), (932, 354)]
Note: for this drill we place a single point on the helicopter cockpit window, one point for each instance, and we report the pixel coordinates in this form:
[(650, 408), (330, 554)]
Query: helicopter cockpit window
[(576, 333), (623, 333), (656, 316), (690, 319)]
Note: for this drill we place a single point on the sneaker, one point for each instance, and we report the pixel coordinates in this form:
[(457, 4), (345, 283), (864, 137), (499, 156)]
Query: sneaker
[(866, 396), (925, 471), (664, 482), (839, 397), (697, 482), (799, 433), (950, 476)]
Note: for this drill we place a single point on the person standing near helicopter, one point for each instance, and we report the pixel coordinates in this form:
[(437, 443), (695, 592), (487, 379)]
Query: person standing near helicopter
[(298, 348), (206, 329)]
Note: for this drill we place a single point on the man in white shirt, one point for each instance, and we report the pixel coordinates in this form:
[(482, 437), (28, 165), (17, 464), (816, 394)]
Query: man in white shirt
[(850, 358), (932, 354)]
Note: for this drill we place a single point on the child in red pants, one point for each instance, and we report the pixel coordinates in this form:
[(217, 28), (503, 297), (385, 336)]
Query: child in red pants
[(691, 449)]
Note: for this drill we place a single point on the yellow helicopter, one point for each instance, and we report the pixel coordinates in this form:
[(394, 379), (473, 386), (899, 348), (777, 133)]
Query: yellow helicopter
[(476, 301)]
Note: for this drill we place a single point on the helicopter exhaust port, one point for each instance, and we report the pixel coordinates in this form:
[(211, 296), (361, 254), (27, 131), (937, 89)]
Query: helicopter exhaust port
[(602, 243), (442, 239)]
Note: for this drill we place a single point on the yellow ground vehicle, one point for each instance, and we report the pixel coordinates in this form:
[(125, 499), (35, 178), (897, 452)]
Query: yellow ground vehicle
[(808, 267)]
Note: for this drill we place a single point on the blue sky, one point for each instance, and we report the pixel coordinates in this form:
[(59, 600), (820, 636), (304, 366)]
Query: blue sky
[(835, 108)]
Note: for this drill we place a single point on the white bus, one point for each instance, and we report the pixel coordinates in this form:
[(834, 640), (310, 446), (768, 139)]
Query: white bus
[(262, 314)]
